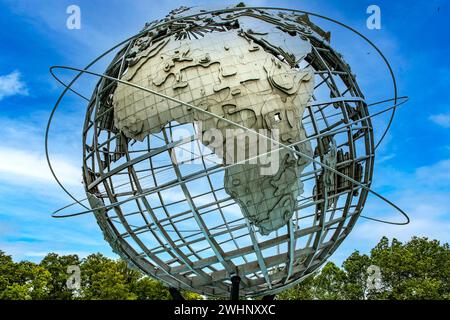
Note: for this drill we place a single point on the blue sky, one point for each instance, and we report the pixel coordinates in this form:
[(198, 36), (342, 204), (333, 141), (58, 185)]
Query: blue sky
[(413, 163)]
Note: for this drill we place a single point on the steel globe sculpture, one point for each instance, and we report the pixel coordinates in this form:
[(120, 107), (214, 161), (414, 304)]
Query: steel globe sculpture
[(228, 143)]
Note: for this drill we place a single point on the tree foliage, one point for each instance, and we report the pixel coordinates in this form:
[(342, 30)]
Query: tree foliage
[(23, 280), (101, 278), (417, 269)]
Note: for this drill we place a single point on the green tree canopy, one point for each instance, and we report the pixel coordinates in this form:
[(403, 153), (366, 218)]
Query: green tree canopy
[(57, 266), (101, 278), (23, 280), (417, 269)]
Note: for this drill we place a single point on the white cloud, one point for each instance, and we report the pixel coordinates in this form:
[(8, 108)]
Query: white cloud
[(22, 158), (18, 165), (441, 119), (428, 216), (11, 85), (434, 175), (385, 158), (423, 194), (30, 251)]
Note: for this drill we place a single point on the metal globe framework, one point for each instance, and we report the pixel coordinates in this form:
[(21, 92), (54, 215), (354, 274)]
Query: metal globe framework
[(174, 221)]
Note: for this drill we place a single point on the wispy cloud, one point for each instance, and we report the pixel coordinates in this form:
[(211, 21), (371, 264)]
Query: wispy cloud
[(434, 175), (442, 119), (385, 158), (24, 164), (11, 85), (422, 194), (428, 212), (22, 157)]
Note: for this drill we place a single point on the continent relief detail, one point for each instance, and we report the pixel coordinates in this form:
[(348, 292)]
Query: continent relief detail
[(228, 75)]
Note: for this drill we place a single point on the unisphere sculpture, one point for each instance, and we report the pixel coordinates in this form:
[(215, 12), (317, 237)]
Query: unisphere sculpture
[(232, 142)]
